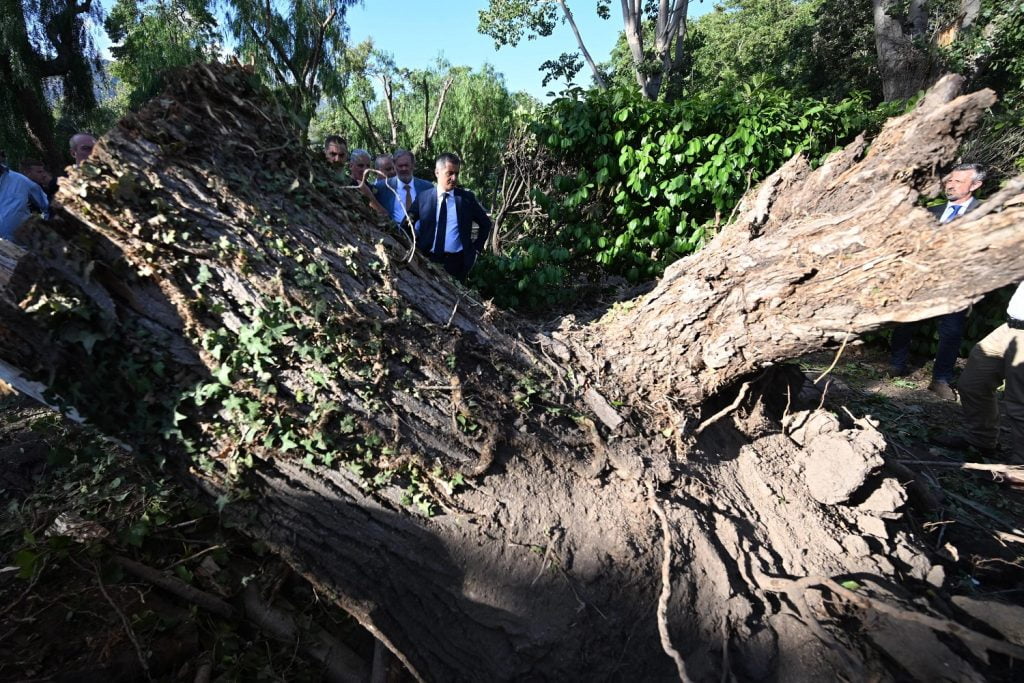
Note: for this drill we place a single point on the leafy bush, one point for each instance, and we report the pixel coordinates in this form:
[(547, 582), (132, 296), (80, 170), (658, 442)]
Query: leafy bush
[(654, 180)]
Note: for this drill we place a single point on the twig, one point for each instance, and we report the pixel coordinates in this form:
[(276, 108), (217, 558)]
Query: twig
[(184, 591), (544, 562), (195, 555), (984, 510), (724, 411), (124, 620), (784, 585), (835, 361), (666, 585)]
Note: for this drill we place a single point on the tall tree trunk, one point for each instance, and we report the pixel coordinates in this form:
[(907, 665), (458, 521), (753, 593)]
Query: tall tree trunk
[(206, 298), (598, 76), (904, 61)]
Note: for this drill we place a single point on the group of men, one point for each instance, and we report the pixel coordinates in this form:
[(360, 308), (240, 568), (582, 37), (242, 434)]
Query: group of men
[(997, 359), (440, 217), (28, 192)]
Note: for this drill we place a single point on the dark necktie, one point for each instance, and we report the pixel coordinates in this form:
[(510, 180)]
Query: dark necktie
[(442, 225), (408, 198)]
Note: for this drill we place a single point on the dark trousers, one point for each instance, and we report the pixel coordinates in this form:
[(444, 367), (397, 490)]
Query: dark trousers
[(454, 264), (951, 333)]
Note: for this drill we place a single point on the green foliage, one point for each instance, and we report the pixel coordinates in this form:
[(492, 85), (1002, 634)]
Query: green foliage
[(46, 57), (743, 39), (155, 37), (295, 45), (477, 113), (509, 21), (653, 181)]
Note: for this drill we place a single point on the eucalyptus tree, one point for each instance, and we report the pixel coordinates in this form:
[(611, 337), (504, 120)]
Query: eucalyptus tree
[(153, 37), (655, 34), (46, 55), (296, 44)]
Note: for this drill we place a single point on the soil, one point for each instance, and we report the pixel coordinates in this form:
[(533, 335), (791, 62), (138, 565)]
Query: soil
[(74, 505), (59, 625)]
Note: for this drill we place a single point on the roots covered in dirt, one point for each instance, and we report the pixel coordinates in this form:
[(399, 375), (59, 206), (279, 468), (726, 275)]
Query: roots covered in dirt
[(630, 499)]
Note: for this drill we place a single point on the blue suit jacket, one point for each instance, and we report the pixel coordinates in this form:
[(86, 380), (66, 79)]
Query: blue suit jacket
[(382, 191), (468, 210)]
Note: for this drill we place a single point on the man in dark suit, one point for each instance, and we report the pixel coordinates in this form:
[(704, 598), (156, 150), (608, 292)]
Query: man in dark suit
[(446, 217), (398, 194), (959, 187)]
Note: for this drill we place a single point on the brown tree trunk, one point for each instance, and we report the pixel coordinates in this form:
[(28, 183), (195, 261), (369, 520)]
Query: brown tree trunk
[(905, 64), (207, 299)]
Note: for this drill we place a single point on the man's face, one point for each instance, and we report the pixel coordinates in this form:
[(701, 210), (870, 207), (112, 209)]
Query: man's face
[(447, 176), (403, 167), (81, 148), (358, 166), (386, 166), (336, 154), (39, 175), (960, 185)]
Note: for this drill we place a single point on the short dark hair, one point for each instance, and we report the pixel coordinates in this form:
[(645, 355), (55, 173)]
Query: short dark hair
[(26, 164), (399, 153), (335, 140), (979, 171), (447, 158)]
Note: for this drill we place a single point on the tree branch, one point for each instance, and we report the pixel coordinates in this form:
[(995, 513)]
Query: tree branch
[(583, 48)]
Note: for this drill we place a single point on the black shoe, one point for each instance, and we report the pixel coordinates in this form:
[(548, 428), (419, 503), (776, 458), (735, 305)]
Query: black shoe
[(942, 390), (896, 371)]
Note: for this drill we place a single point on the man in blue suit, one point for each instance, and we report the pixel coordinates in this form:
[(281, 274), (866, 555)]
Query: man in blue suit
[(446, 217), (959, 187), (397, 194)]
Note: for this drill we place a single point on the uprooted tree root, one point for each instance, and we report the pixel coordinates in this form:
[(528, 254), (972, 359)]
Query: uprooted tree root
[(477, 492)]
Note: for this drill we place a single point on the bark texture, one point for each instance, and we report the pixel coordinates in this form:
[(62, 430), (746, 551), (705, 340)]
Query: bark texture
[(204, 295)]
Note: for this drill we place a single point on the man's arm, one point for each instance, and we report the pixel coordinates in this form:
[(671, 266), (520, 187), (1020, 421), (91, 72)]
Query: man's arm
[(39, 198), (481, 218)]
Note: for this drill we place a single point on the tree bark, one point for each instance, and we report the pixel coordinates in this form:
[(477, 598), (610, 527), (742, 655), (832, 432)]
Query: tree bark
[(598, 76), (904, 61), (204, 296)]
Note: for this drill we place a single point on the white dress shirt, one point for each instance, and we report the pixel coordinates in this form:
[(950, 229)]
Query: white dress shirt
[(452, 241), (398, 211), (1016, 308)]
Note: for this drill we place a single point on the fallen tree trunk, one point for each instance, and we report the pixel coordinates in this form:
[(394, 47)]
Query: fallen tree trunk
[(486, 497)]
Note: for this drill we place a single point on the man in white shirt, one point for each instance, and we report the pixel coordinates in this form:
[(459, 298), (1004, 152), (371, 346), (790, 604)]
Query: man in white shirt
[(959, 187), (398, 194), (997, 358)]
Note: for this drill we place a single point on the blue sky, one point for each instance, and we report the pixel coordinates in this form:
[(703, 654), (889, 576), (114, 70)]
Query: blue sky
[(415, 33)]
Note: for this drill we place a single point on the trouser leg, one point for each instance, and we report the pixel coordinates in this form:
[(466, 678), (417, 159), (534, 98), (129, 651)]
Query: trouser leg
[(899, 345), (951, 334), (1013, 398), (978, 384)]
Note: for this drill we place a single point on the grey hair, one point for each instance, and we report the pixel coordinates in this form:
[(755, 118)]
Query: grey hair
[(359, 153), (447, 158), (979, 171)]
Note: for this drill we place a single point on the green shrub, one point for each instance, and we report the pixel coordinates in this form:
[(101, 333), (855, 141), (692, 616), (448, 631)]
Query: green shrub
[(651, 181)]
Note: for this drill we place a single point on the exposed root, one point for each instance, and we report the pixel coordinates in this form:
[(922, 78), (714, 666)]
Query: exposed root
[(666, 585), (795, 588), (835, 361), (726, 410)]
